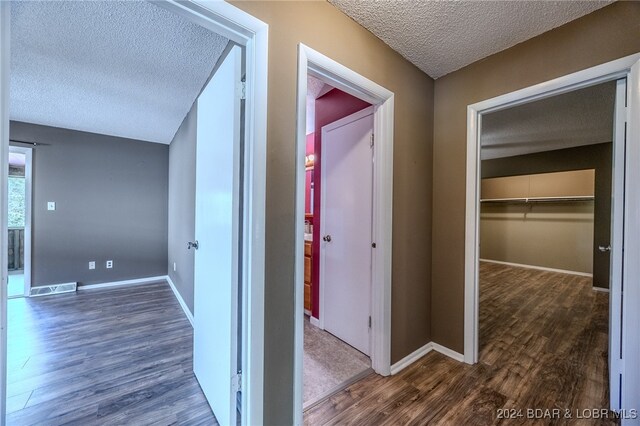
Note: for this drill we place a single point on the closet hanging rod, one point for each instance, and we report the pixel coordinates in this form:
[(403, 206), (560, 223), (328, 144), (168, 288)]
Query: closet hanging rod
[(25, 142), (538, 199)]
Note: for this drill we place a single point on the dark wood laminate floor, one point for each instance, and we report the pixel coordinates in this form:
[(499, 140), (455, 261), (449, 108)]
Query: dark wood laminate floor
[(543, 345), (118, 356)]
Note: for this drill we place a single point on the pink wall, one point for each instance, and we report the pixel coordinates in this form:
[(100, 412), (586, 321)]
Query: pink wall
[(330, 107)]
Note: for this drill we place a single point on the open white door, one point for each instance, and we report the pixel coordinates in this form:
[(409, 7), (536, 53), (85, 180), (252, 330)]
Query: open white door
[(346, 226), (616, 247), (215, 334), (630, 282)]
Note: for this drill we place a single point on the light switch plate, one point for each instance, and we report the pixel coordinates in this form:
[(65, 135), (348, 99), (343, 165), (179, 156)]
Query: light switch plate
[(92, 265), (51, 205)]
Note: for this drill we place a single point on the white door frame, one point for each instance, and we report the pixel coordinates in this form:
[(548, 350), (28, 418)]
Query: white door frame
[(311, 62), (628, 67), (28, 174), (251, 33)]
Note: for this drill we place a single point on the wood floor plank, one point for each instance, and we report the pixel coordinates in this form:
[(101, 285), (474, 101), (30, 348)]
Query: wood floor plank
[(113, 356), (543, 345)]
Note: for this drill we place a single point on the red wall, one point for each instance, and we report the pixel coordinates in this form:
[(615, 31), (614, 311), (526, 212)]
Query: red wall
[(330, 107), (308, 173)]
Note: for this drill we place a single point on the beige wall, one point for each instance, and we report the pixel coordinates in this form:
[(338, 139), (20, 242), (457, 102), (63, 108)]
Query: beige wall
[(556, 234), (605, 35), (551, 235), (324, 28), (597, 157)]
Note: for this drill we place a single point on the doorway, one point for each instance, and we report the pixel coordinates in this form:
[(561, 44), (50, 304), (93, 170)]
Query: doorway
[(19, 220), (314, 64), (337, 262), (545, 208), (622, 72), (249, 32)]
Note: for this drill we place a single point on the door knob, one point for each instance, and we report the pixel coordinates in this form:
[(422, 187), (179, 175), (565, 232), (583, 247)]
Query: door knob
[(604, 249), (193, 244), (327, 238)]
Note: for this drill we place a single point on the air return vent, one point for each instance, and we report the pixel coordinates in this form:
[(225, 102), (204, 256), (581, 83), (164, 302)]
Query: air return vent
[(53, 289)]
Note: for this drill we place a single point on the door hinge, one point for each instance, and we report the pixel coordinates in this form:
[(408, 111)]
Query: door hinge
[(242, 89), (372, 140), (369, 321), (236, 383)]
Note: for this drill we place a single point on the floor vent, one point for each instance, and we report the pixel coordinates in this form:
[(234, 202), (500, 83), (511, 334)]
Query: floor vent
[(46, 290)]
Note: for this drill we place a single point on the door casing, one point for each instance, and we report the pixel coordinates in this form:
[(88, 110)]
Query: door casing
[(312, 62), (251, 33), (629, 68)]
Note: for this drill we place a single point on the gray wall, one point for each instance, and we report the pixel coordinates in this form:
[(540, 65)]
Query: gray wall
[(111, 204), (596, 157), (182, 202)]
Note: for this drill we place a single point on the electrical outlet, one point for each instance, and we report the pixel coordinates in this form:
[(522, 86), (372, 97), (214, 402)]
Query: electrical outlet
[(174, 266), (92, 265), (51, 205), (109, 264)]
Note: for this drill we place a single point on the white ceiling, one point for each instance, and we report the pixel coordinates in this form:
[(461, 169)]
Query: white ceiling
[(581, 117), (121, 68), (442, 36)]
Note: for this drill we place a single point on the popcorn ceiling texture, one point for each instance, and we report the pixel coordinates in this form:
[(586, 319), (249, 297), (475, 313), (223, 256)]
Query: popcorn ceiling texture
[(581, 117), (120, 68), (315, 89), (442, 36)]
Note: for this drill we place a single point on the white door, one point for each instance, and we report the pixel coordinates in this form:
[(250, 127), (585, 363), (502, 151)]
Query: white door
[(617, 229), (215, 341), (346, 227)]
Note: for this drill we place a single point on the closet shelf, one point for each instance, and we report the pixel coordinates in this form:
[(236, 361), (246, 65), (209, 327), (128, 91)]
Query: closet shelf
[(539, 199)]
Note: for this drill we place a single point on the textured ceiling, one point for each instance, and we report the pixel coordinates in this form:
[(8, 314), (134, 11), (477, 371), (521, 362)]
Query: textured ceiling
[(315, 89), (442, 36), (121, 68), (581, 117)]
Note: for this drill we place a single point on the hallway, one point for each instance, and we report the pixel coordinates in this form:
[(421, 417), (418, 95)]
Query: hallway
[(543, 345)]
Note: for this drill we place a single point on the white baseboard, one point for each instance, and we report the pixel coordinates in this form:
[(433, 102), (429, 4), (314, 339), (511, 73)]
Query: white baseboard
[(541, 268), (419, 353), (140, 281), (411, 358), (307, 312), (137, 281), (603, 290), (447, 352), (181, 301), (315, 321)]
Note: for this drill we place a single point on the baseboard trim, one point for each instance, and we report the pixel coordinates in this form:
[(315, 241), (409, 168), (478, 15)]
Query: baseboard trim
[(600, 289), (181, 301), (315, 321), (541, 268), (448, 352), (411, 358), (137, 281), (420, 352)]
